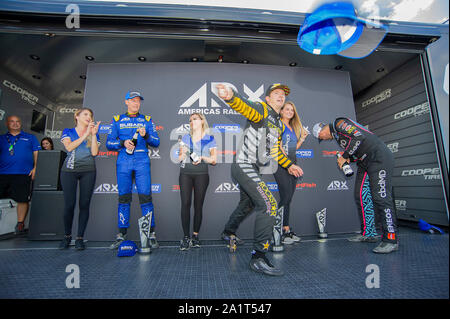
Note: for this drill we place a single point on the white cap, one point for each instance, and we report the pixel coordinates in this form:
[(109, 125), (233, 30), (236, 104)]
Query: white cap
[(317, 128)]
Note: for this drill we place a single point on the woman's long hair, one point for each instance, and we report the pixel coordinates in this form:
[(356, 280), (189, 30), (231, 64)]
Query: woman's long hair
[(295, 122), (77, 113), (205, 126)]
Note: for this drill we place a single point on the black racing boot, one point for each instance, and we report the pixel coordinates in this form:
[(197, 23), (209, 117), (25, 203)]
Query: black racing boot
[(261, 264)]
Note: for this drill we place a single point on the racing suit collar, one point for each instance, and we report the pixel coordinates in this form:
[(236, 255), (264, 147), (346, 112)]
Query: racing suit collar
[(278, 113), (132, 114)]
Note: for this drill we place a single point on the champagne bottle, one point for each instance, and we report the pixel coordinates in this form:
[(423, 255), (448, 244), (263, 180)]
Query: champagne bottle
[(134, 141), (345, 167)]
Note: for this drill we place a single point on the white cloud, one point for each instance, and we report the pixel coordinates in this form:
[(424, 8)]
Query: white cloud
[(407, 10)]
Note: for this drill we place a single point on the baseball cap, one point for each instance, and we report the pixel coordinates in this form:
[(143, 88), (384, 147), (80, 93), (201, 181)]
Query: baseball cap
[(317, 128), (127, 248), (275, 86), (335, 28), (132, 94)]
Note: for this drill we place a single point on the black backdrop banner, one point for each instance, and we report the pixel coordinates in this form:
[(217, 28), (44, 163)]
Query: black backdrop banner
[(173, 91)]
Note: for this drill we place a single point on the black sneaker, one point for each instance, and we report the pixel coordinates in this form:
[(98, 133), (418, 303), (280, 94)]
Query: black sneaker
[(64, 244), (195, 242), (79, 244), (264, 266), (185, 243)]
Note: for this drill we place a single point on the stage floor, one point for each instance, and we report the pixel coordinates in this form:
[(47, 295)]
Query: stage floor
[(332, 269)]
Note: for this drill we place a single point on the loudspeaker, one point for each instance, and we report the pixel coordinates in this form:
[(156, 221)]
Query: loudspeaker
[(46, 216), (48, 167)]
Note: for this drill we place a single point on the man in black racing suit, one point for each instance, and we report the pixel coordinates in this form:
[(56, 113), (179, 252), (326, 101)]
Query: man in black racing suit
[(259, 150), (375, 160)]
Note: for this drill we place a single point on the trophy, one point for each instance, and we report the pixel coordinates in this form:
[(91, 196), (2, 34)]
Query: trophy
[(278, 231), (144, 232), (321, 217)]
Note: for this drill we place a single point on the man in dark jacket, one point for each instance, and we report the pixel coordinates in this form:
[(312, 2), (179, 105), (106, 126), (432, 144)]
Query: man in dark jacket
[(374, 161)]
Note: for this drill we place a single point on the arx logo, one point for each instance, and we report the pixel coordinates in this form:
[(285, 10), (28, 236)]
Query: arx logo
[(337, 186), (106, 189), (153, 153), (200, 98), (227, 188)]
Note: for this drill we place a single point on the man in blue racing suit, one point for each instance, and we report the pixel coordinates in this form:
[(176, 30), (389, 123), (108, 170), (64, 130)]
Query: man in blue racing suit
[(136, 164)]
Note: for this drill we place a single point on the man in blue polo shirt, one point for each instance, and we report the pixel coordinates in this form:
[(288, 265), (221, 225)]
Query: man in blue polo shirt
[(18, 156)]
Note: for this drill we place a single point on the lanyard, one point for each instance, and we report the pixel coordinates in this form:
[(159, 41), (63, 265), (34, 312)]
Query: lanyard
[(11, 146)]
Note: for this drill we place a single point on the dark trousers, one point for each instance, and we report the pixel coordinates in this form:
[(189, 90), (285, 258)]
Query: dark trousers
[(199, 184), (69, 183), (256, 197), (287, 184), (378, 167)]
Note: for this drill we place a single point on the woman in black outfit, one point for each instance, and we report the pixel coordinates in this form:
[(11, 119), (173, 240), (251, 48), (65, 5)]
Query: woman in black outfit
[(293, 137), (197, 150)]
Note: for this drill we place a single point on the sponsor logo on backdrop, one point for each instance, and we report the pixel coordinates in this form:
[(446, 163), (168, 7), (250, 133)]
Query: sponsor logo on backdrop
[(393, 147), (225, 128), (53, 134), (105, 154), (2, 114), (26, 96), (416, 110), (301, 186), (153, 153), (400, 204), (106, 188), (337, 186), (175, 188), (331, 153), (305, 153), (427, 173), (227, 188), (198, 102), (67, 110), (156, 188), (377, 98)]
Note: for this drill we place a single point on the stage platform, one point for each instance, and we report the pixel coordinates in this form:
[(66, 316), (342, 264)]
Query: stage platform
[(329, 269)]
